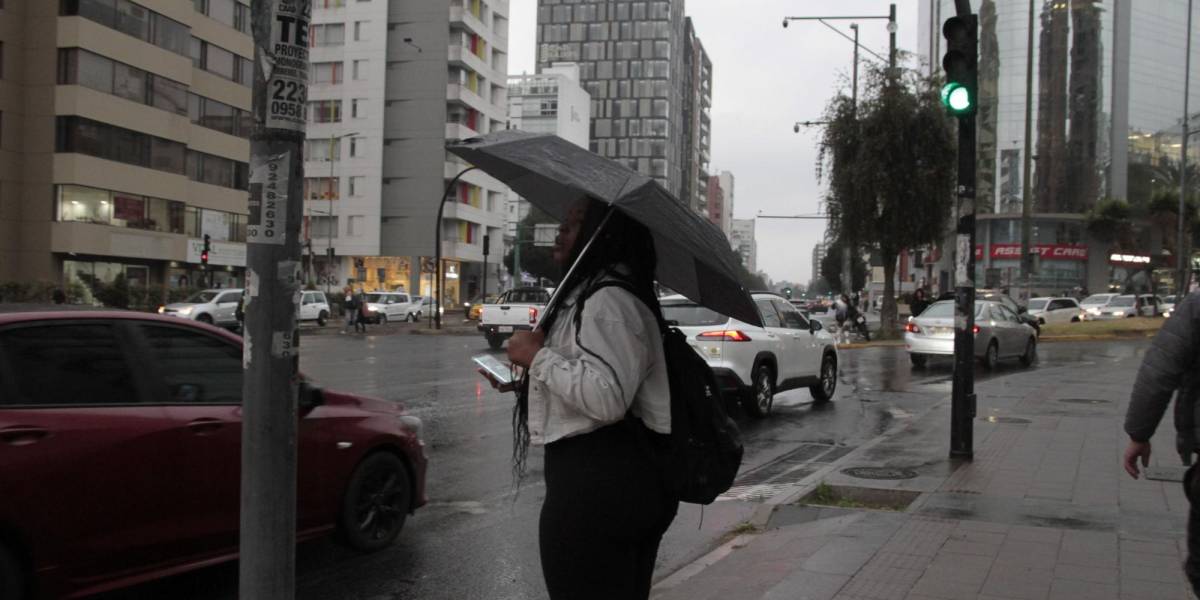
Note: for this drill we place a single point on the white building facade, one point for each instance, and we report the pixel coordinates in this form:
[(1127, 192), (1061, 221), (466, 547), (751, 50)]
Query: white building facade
[(391, 83), (741, 239)]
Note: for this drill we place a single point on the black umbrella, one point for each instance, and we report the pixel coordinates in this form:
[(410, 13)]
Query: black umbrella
[(694, 258)]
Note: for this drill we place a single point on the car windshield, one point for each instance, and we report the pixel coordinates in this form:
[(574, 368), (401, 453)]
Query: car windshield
[(1038, 304), (1169, 299), (1122, 301), (1097, 299), (688, 314), (202, 297), (945, 310)]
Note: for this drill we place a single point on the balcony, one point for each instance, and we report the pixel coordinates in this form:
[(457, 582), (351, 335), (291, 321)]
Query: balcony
[(460, 56), (463, 96), (461, 16)]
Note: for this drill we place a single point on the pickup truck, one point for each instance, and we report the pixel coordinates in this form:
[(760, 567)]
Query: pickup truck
[(517, 309)]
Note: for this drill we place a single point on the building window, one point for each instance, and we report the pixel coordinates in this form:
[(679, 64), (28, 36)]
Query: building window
[(319, 150), (216, 170), (354, 225), (327, 34), (321, 188), (132, 19), (360, 70), (222, 117), (92, 205), (357, 147), (360, 30), (80, 67), (325, 111), (356, 186), (327, 72), (358, 108), (219, 61), (323, 227), (84, 136), (329, 3)]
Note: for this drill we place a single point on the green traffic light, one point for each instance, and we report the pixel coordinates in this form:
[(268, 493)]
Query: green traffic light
[(956, 97)]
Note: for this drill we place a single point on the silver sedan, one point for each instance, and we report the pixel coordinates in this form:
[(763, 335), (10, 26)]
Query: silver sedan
[(999, 333)]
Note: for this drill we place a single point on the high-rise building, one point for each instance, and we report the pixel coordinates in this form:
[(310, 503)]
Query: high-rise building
[(123, 141), (391, 83), (1107, 105), (551, 101), (719, 209), (741, 239), (632, 57), (818, 256)]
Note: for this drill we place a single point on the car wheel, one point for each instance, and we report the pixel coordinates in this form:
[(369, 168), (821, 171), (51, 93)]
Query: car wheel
[(382, 320), (410, 318), (761, 395), (918, 360), (376, 502), (205, 318), (823, 391), (1030, 355), (321, 318), (992, 357), (12, 580), (495, 342), (1041, 321), (1074, 319)]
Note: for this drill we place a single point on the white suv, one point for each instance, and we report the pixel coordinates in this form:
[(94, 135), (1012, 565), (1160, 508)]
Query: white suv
[(388, 306), (754, 363), (215, 307), (314, 306)]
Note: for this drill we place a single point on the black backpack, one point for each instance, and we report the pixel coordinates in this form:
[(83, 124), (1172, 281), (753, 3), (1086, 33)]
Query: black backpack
[(706, 446)]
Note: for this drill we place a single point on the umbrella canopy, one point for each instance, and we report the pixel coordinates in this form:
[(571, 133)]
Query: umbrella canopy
[(694, 258)]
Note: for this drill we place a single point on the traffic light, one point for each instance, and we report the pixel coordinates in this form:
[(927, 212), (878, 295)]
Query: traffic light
[(961, 63), (204, 252), (787, 292)]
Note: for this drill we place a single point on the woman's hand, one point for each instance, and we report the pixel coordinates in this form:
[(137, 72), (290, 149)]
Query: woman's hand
[(496, 385), (524, 345)]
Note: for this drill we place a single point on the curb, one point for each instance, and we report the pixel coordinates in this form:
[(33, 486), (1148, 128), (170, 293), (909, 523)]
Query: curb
[(1124, 335)]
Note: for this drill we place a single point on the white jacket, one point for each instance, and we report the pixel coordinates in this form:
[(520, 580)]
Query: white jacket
[(572, 392)]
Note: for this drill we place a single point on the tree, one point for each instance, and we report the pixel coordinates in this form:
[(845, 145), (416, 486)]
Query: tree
[(535, 260), (831, 272), (1109, 221), (890, 165)]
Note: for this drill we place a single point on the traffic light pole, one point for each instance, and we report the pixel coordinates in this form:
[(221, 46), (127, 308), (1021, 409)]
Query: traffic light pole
[(960, 65), (270, 355)]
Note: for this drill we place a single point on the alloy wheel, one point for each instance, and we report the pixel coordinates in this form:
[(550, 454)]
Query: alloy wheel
[(379, 510)]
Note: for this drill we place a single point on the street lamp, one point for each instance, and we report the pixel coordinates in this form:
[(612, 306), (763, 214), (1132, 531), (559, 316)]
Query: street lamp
[(333, 139), (437, 251)]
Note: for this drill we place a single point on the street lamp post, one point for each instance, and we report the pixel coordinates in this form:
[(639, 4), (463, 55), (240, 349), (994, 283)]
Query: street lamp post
[(437, 251), (333, 139), (1182, 259)]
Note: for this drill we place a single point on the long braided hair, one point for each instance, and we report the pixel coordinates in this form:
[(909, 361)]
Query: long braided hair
[(623, 250)]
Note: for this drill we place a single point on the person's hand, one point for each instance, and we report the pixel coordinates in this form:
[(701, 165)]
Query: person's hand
[(496, 385), (1133, 452), (524, 345)]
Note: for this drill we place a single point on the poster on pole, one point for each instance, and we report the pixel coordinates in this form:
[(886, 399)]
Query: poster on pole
[(268, 199), (287, 73)]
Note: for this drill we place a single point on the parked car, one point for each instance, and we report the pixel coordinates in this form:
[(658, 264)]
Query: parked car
[(120, 448), (754, 363), (1055, 310), (419, 308), (314, 306), (1093, 305), (999, 333), (517, 309), (1129, 305), (215, 307), (1168, 305), (388, 306)]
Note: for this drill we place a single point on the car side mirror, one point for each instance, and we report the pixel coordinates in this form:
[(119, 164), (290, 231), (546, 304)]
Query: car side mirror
[(310, 397), (814, 326), (1022, 310)]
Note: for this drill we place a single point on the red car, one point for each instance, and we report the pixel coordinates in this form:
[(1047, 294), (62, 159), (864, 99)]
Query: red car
[(120, 453)]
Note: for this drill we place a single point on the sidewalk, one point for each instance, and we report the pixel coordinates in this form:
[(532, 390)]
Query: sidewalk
[(1043, 511)]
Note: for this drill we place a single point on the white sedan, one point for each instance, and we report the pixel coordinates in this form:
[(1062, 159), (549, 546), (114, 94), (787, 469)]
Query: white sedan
[(999, 333), (1056, 310)]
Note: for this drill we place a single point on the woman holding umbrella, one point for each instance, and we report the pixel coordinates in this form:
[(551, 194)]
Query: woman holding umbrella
[(599, 401)]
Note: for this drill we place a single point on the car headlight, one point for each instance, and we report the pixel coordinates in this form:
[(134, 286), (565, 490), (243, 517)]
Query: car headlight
[(413, 425), (187, 310)]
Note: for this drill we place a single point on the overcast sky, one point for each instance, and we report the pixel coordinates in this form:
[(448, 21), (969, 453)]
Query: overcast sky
[(765, 78)]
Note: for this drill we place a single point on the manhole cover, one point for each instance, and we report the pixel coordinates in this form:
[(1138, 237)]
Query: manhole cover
[(1083, 401), (879, 473), (1009, 420)]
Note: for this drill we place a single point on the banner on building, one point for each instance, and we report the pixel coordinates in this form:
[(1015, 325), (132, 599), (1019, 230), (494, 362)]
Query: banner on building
[(1046, 251)]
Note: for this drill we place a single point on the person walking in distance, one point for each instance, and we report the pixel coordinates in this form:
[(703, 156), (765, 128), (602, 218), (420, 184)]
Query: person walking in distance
[(599, 401), (919, 303), (360, 311), (350, 308), (1169, 369), (841, 312)]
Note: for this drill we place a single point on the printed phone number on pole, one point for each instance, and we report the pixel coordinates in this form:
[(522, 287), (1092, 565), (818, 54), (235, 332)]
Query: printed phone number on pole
[(288, 78), (268, 200)]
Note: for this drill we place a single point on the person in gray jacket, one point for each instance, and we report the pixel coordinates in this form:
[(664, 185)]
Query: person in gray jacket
[(1170, 366)]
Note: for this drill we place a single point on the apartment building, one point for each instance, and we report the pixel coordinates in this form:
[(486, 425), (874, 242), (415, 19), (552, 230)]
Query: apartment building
[(123, 140)]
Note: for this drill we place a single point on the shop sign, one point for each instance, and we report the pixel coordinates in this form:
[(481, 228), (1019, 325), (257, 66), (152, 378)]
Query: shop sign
[(1129, 259), (220, 254), (1045, 251)]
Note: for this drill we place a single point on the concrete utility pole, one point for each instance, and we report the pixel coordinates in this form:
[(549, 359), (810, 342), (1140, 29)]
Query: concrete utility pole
[(1183, 258), (1026, 172), (271, 355)]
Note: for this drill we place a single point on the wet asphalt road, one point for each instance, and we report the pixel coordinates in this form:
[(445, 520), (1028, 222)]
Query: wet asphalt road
[(478, 539)]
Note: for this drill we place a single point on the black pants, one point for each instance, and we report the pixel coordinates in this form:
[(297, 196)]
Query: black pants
[(1191, 488), (605, 513)]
